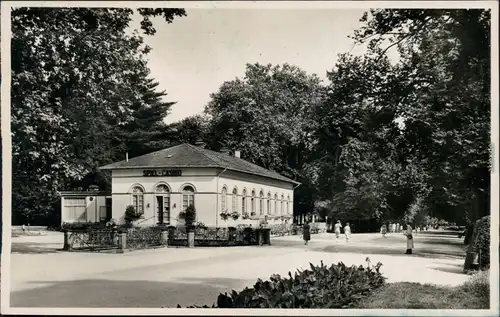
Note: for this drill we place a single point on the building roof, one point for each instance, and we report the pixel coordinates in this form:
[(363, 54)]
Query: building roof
[(187, 155), (82, 193)]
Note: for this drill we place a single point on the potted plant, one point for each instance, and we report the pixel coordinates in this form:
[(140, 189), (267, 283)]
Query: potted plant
[(245, 216), (190, 219), (235, 215), (201, 225), (224, 215), (130, 215)]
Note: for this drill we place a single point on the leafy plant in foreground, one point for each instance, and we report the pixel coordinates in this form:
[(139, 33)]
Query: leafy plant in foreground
[(336, 286)]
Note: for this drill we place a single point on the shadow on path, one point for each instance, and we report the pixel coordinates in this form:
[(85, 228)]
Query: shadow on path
[(438, 247), (118, 294), (34, 248)]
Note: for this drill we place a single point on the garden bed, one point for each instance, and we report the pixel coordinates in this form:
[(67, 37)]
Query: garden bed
[(334, 286)]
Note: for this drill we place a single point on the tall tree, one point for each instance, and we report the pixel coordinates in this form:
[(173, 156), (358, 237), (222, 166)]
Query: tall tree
[(445, 67), (266, 115), (74, 71), (191, 130)]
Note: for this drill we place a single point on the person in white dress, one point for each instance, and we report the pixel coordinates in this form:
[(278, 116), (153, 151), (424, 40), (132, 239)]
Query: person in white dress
[(409, 239), (347, 232), (337, 228)]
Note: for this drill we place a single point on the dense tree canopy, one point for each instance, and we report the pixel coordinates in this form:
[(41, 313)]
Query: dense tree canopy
[(438, 158), (267, 115), (383, 139), (79, 84)]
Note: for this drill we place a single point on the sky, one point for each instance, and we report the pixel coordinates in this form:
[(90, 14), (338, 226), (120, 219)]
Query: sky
[(194, 55)]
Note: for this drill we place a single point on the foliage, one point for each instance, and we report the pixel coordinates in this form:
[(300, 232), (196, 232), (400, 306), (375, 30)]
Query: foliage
[(200, 225), (131, 214), (190, 130), (224, 215), (391, 133), (337, 286), (482, 242), (266, 115), (111, 223), (235, 215), (245, 215), (82, 226), (190, 217), (79, 84), (215, 236), (144, 237)]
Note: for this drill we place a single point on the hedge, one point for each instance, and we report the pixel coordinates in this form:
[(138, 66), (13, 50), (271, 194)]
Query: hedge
[(483, 241), (337, 286)]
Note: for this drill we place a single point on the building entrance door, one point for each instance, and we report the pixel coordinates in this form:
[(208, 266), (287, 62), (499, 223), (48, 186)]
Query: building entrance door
[(159, 208), (163, 209)]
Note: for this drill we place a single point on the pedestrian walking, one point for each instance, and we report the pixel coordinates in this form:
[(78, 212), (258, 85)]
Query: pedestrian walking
[(347, 232), (306, 232), (409, 239), (338, 227), (383, 230), (393, 229)]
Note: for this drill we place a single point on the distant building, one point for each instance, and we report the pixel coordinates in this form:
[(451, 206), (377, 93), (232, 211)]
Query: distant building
[(162, 184)]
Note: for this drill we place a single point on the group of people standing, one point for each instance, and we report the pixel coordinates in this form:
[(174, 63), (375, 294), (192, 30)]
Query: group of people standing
[(306, 231), (391, 228), (396, 228), (337, 228)]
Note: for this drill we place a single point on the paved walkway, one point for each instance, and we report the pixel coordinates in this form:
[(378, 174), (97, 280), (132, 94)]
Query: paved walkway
[(170, 276)]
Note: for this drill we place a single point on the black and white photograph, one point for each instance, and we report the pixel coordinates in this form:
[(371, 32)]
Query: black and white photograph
[(274, 157)]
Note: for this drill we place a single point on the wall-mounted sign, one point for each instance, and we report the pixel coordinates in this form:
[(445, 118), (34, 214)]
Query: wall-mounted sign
[(156, 173)]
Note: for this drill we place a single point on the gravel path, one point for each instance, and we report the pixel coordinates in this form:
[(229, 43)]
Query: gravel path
[(166, 277)]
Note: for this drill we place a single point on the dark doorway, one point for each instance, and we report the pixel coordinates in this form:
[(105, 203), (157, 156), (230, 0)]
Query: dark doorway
[(109, 209), (159, 208)]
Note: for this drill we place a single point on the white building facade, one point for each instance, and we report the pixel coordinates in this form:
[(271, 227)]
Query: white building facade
[(162, 184)]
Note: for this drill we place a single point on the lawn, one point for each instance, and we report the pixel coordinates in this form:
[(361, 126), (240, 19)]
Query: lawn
[(474, 294)]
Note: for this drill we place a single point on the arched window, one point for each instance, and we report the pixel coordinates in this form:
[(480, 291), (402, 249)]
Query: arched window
[(276, 211), (138, 199), (163, 203), (282, 206), (243, 201), (253, 201), (234, 203), (162, 188), (223, 201), (268, 203), (261, 202), (288, 205), (187, 196)]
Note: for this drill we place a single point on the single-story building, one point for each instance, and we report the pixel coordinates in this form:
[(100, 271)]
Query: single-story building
[(85, 206), (162, 184)]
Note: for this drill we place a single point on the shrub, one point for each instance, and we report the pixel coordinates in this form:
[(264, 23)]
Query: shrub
[(337, 286), (190, 217), (200, 225), (483, 241), (131, 214), (82, 226), (479, 285)]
